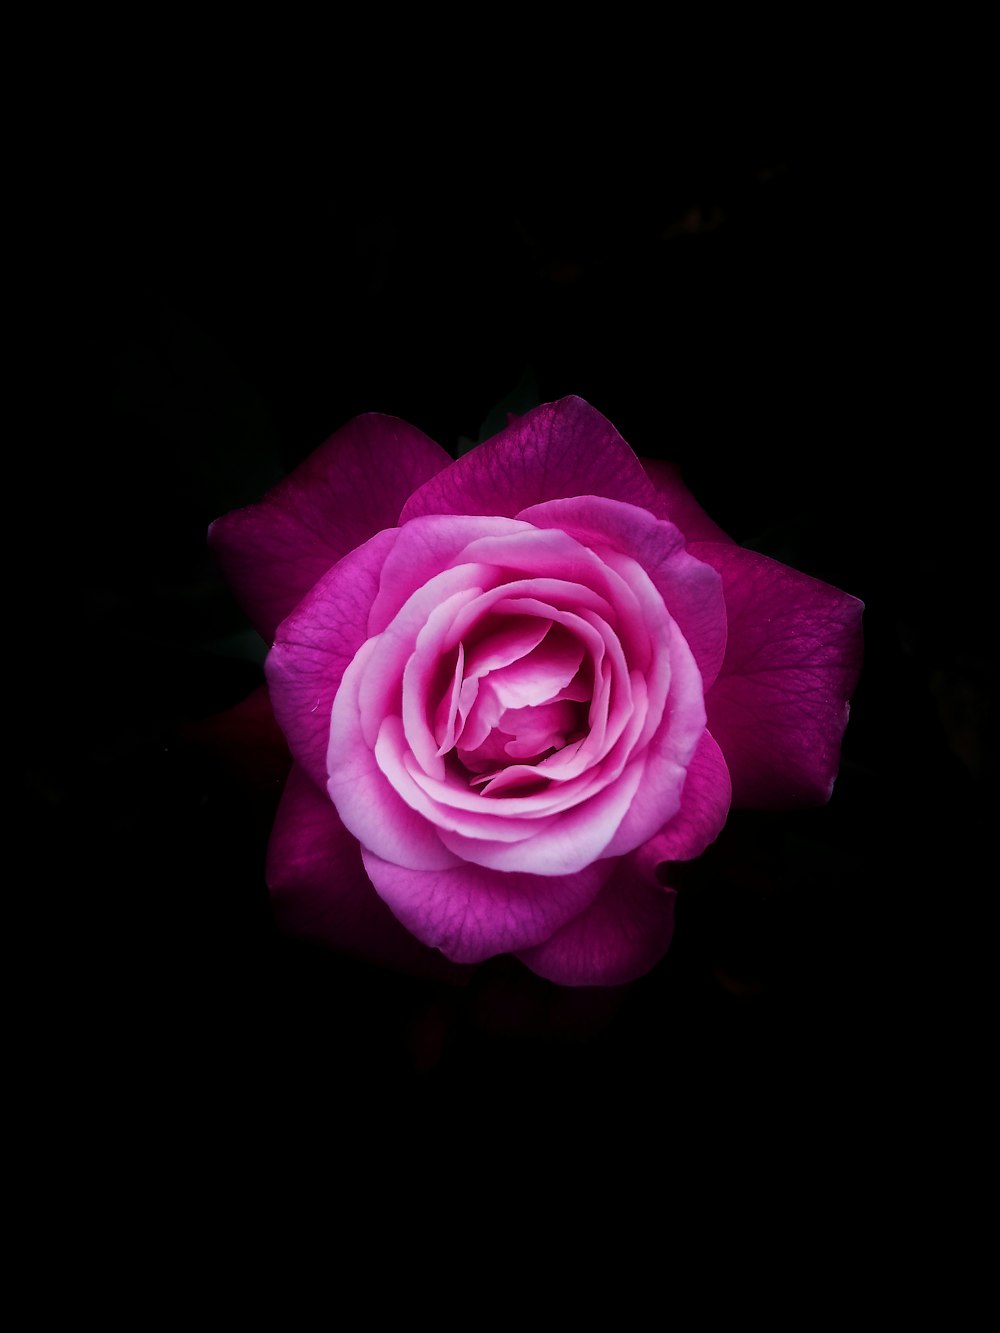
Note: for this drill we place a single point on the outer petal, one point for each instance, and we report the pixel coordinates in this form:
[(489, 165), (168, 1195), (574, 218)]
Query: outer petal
[(315, 645), (705, 805), (320, 889), (471, 913), (558, 449), (676, 503), (622, 934), (347, 490), (779, 707)]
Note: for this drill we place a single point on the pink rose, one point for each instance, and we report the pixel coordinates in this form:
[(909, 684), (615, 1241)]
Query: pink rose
[(519, 685)]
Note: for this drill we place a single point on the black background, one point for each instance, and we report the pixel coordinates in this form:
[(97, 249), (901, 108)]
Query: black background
[(735, 304)]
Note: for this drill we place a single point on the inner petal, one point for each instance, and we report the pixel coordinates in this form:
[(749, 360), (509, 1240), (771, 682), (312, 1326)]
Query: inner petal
[(540, 675), (536, 730), (483, 717), (509, 638), (446, 715), (523, 734), (506, 684)]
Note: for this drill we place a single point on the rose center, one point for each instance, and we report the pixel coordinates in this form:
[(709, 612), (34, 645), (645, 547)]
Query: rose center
[(514, 697)]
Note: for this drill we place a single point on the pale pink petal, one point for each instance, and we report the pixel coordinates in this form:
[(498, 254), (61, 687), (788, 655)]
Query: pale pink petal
[(675, 503), (488, 755), (367, 802), (381, 692), (633, 622), (471, 913), (540, 674), (435, 610), (548, 598), (514, 691), (611, 707), (482, 713), (596, 638), (508, 641), (632, 604), (539, 552), (350, 488), (624, 932), (537, 729), (562, 448), (314, 646), (447, 718), (427, 547), (705, 803), (667, 755), (580, 689), (779, 707), (321, 891), (432, 650), (479, 708), (562, 846), (573, 772), (690, 589), (431, 797), (460, 794)]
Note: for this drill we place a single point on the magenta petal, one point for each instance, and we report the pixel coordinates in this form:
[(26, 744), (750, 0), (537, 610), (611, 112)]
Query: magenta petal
[(779, 707), (351, 487), (705, 805), (315, 645), (471, 913), (623, 933), (320, 890), (558, 449), (675, 503)]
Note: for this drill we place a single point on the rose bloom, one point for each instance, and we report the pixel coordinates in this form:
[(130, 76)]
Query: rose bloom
[(517, 687)]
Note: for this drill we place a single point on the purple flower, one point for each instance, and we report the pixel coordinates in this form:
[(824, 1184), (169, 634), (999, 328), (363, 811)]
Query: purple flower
[(519, 685)]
